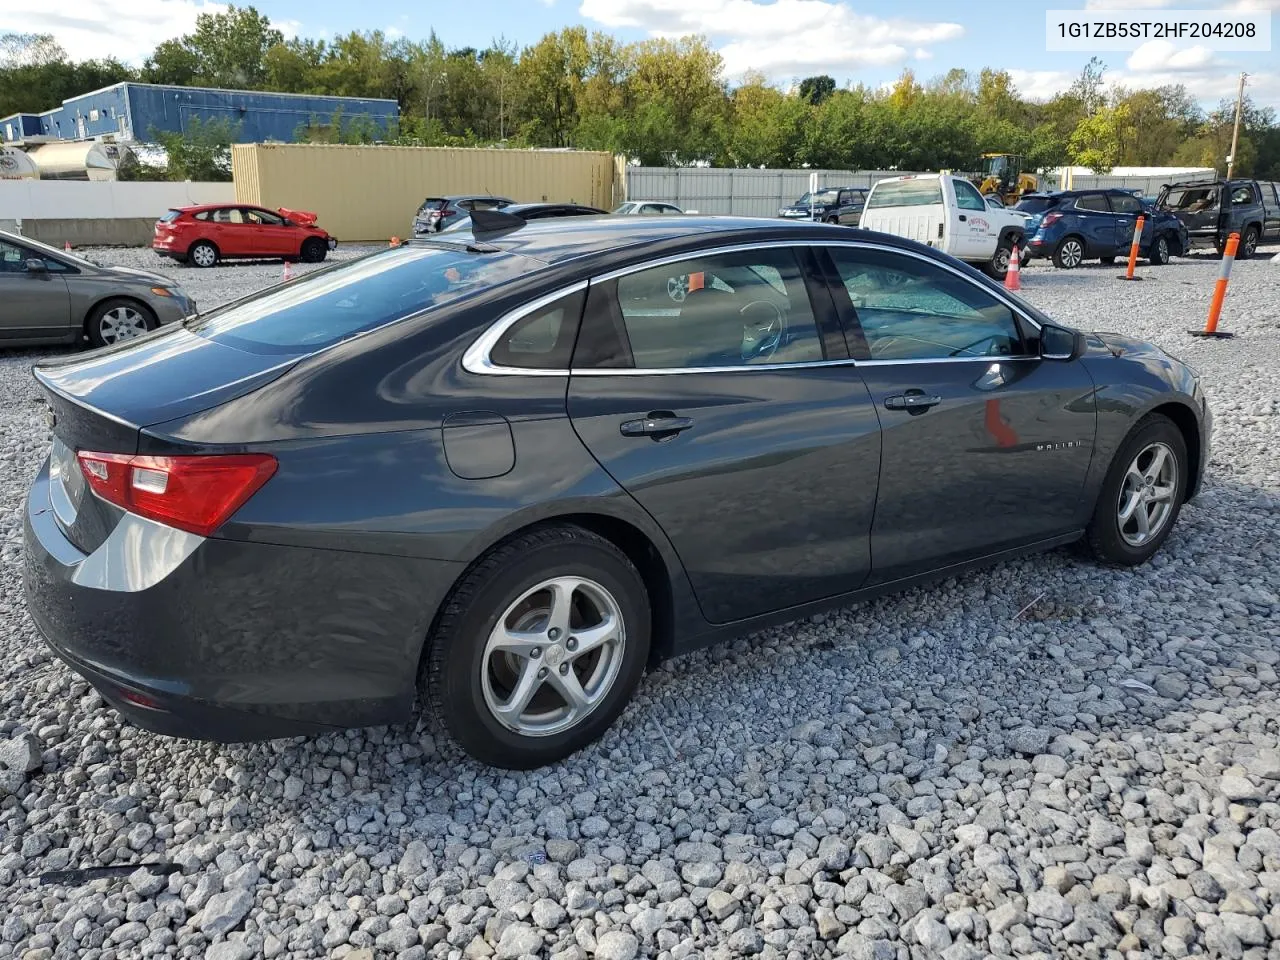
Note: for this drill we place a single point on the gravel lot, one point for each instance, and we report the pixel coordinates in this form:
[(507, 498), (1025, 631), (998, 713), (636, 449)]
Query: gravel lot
[(1044, 759)]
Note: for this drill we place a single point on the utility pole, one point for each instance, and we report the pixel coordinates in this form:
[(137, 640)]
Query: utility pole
[(1235, 133)]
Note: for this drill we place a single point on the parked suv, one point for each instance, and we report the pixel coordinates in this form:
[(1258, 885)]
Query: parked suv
[(1212, 210), (436, 213), (830, 205), (1073, 226)]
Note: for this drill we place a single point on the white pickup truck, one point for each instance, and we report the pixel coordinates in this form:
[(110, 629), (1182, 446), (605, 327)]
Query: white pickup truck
[(949, 214)]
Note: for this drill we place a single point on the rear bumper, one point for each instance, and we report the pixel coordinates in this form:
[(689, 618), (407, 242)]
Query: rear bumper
[(229, 641), (1039, 248)]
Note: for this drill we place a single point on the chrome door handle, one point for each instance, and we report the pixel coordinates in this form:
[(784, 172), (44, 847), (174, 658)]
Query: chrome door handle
[(911, 401)]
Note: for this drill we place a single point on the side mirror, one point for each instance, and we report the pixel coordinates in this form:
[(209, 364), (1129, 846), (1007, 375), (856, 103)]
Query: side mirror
[(1059, 343), (36, 265)]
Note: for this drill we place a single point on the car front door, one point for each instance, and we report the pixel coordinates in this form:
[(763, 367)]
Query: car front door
[(734, 418), (985, 445), (272, 235), (1096, 223), (32, 303), (977, 239), (1126, 209)]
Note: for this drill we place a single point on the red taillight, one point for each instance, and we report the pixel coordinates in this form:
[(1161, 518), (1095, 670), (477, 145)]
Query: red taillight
[(1050, 219), (191, 493)]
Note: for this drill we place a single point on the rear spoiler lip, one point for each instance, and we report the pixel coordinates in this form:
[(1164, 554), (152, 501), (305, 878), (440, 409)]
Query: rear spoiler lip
[(62, 394)]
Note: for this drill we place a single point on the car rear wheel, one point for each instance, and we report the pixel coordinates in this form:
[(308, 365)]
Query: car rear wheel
[(1069, 254), (539, 647), (1160, 251), (314, 250), (203, 254), (117, 320), (1141, 495)]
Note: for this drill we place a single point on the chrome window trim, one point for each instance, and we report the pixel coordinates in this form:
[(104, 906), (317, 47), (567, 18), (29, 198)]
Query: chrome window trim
[(476, 358)]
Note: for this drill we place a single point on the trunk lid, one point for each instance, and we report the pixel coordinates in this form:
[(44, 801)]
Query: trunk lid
[(102, 401)]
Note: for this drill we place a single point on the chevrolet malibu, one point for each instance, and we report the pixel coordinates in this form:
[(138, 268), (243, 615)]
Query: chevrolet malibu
[(506, 470)]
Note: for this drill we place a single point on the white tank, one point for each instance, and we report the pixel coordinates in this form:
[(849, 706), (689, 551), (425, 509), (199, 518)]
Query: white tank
[(78, 160), (16, 165)]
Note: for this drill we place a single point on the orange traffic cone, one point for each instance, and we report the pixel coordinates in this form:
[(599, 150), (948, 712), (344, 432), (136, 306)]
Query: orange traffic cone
[(395, 242), (288, 271), (66, 245), (1012, 280)]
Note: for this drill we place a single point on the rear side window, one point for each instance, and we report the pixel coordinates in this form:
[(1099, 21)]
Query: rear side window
[(905, 193), (543, 339), (1095, 202), (728, 310), (332, 305), (1243, 195), (202, 216)]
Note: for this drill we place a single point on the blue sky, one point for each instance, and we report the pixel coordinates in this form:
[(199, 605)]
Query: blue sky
[(868, 41)]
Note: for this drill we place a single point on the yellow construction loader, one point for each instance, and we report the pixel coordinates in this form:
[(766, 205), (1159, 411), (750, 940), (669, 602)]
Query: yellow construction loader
[(1002, 174)]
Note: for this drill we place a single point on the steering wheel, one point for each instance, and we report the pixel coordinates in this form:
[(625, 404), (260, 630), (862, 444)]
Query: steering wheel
[(993, 339), (763, 328)]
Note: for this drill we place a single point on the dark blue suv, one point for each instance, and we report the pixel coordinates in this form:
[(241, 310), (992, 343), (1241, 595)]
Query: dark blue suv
[(1072, 226)]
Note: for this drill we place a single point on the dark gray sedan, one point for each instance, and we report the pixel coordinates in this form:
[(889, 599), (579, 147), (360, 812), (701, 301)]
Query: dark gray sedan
[(51, 296), (511, 469)]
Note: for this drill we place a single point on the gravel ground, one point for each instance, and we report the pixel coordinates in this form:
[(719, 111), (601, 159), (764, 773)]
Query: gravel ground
[(1044, 759)]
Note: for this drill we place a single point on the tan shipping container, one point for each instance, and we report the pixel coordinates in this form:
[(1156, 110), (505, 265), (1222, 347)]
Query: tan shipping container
[(365, 193)]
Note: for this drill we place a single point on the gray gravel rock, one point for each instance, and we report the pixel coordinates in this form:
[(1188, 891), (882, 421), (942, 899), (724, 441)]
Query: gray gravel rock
[(981, 759)]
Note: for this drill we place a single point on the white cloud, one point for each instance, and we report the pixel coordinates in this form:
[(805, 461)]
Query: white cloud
[(783, 38), (1253, 5), (923, 54), (1208, 87), (126, 29), (1162, 55)]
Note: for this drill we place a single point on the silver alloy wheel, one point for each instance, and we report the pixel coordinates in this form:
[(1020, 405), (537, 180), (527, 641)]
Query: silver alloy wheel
[(204, 255), (121, 323), (1072, 254), (553, 656), (1250, 243), (1146, 495), (1000, 262), (678, 287), (1162, 250)]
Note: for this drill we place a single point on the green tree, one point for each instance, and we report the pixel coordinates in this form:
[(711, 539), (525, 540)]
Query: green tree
[(202, 152), (816, 90), (227, 49), (1099, 139)]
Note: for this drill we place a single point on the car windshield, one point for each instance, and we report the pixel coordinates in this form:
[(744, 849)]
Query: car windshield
[(905, 193), (1036, 204), (822, 196), (332, 305), (625, 208)]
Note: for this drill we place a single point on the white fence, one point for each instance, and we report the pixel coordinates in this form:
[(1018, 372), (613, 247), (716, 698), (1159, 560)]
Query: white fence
[(103, 200), (759, 193)]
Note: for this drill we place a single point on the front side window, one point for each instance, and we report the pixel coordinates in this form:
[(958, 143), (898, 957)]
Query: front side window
[(1191, 199), (1125, 203), (1094, 202), (1242, 195), (910, 309), (263, 219), (967, 197), (726, 310)]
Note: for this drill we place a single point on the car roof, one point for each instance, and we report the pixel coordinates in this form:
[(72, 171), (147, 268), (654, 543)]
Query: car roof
[(622, 239), (516, 208), (200, 207)]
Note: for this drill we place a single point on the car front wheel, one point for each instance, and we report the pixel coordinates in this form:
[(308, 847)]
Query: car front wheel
[(1141, 495), (117, 320), (314, 250), (539, 647)]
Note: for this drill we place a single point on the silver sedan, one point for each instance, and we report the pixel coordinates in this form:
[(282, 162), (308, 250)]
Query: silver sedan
[(51, 296)]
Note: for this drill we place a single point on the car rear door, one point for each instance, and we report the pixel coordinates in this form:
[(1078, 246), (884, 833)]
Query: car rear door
[(32, 304), (1126, 209), (733, 416), (1271, 207), (1096, 224), (985, 446)]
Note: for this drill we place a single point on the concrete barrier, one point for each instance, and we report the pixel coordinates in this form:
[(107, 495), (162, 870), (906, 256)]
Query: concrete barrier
[(124, 232)]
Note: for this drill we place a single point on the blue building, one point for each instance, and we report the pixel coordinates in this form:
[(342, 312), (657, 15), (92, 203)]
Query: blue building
[(133, 112)]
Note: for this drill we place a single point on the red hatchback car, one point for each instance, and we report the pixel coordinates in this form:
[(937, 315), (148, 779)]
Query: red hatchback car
[(205, 234)]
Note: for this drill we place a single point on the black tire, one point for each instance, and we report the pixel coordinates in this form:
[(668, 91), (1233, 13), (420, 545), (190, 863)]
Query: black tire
[(1103, 535), (314, 250), (203, 254), (99, 324), (485, 592), (1160, 254), (998, 265), (1248, 243), (1069, 253), (1107, 261)]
